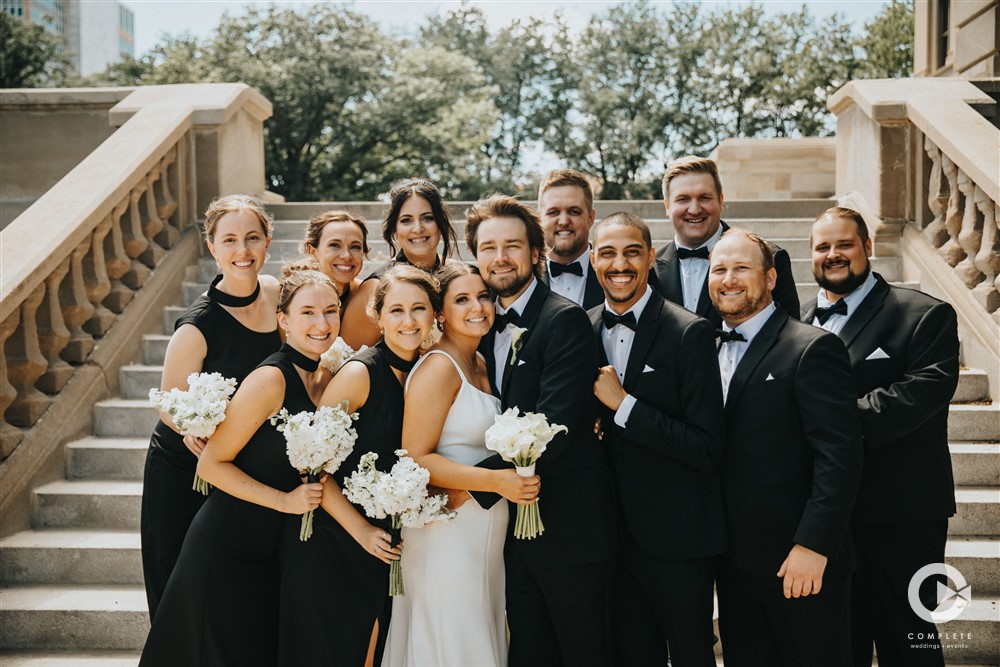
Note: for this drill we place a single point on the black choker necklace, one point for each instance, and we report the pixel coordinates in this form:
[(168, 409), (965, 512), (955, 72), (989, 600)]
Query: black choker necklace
[(396, 361), (223, 299), (401, 258), (299, 359)]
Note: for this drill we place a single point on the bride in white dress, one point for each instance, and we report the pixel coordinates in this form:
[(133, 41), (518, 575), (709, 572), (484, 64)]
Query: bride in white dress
[(453, 572)]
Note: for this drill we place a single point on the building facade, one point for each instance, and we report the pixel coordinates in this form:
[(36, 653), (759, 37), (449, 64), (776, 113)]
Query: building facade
[(957, 38)]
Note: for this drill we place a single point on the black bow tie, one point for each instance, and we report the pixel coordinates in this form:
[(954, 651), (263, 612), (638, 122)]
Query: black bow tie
[(501, 322), (700, 253), (556, 269), (611, 319), (823, 314), (731, 336)]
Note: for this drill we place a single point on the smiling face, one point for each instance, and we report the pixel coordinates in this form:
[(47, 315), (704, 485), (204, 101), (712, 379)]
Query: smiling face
[(839, 256), (738, 284), (468, 308), (622, 260), (312, 320), (567, 220), (694, 207), (340, 254), (406, 318), (504, 256), (239, 245), (417, 231)]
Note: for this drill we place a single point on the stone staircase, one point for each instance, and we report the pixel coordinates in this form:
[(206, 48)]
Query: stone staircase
[(71, 589)]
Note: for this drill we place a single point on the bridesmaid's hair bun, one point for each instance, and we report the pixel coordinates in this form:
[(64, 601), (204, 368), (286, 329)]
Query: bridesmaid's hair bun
[(404, 273), (296, 276), (230, 203)]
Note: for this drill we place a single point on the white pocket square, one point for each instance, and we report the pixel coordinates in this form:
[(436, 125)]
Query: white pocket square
[(648, 369), (520, 362), (879, 353), (768, 378)]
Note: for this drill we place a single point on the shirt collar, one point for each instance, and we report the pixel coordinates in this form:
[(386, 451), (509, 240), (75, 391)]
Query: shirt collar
[(752, 327), (710, 243), (522, 301), (854, 299), (637, 307)]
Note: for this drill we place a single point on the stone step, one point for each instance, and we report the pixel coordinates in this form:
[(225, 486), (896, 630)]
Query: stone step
[(154, 348), (978, 559), (91, 503), (138, 379), (975, 635), (975, 463), (26, 658), (79, 617), (170, 315), (890, 268), (124, 418), (974, 423), (71, 556), (973, 385), (106, 458), (978, 511)]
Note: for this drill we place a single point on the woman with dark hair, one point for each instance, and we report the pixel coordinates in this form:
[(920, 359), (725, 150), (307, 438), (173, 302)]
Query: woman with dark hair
[(334, 586), (228, 330), (416, 223), (221, 604)]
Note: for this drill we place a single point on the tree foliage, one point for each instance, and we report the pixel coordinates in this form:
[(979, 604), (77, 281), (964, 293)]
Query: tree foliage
[(887, 42), (30, 56)]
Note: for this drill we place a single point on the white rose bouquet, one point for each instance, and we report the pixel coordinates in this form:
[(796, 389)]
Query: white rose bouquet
[(522, 440), (197, 411), (316, 442), (400, 494), (337, 355)]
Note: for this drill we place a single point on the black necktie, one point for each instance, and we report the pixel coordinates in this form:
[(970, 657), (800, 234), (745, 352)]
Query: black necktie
[(700, 253), (611, 319), (501, 322), (823, 314), (557, 269), (731, 336)]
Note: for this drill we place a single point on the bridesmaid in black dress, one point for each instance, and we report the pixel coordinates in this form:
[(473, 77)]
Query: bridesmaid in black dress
[(334, 586), (221, 604), (229, 330), (416, 223)]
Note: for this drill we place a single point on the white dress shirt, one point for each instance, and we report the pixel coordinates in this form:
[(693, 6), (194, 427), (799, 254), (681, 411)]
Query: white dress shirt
[(503, 339), (732, 352), (618, 346), (694, 271), (568, 285), (835, 322)]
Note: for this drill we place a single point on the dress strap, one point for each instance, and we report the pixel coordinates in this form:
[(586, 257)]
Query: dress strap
[(428, 354)]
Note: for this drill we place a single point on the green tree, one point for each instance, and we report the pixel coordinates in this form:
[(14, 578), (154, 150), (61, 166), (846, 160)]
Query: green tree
[(887, 42), (30, 56)]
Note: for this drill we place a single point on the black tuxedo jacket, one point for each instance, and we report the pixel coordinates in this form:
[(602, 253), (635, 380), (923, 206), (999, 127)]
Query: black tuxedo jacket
[(593, 294), (903, 395), (554, 374), (666, 278), (793, 451), (665, 460)]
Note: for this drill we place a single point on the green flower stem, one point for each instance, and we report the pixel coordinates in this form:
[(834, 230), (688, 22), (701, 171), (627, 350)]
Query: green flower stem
[(396, 567), (200, 485)]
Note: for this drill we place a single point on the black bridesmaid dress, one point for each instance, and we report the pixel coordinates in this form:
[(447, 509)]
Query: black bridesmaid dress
[(221, 604), (332, 590), (168, 501)]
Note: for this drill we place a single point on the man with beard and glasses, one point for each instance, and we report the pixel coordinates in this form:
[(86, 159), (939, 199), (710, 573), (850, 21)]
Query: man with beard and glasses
[(903, 346), (662, 430), (566, 206), (541, 357), (789, 471)]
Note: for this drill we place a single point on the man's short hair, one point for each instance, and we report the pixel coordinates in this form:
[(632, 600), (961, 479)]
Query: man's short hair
[(625, 219), (504, 206), (767, 255), (847, 214), (561, 177), (691, 164)]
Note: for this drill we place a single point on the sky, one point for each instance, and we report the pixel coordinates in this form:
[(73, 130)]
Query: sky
[(154, 18)]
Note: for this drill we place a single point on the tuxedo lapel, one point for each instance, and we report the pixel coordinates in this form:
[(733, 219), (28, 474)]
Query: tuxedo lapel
[(761, 344), (486, 348), (592, 292), (527, 321), (668, 274), (597, 321), (865, 312), (645, 336), (810, 313)]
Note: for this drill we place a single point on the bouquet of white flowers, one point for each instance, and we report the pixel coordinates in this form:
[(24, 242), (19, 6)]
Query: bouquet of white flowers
[(522, 440), (316, 442), (337, 355), (400, 494), (197, 411)]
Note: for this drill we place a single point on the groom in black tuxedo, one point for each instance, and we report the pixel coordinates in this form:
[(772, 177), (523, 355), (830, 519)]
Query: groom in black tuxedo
[(789, 472), (904, 348), (663, 429), (541, 358)]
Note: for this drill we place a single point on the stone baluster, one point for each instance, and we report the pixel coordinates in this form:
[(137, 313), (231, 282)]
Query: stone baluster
[(53, 335), (76, 307), (135, 241), (25, 364), (151, 224), (117, 262), (95, 278), (937, 197), (988, 258), (166, 205), (10, 435), (951, 250), (971, 234)]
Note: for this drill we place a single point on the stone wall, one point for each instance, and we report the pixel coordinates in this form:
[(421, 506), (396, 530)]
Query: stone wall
[(777, 168), (973, 41)]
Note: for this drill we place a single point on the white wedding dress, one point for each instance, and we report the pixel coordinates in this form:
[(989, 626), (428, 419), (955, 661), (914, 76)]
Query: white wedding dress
[(452, 614)]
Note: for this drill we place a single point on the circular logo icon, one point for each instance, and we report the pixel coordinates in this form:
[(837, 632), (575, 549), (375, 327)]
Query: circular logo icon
[(959, 596)]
